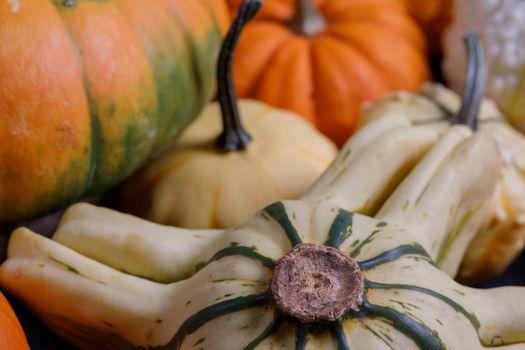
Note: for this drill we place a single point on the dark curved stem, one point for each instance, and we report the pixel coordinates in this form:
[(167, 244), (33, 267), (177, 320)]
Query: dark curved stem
[(475, 82), (307, 20), (233, 136)]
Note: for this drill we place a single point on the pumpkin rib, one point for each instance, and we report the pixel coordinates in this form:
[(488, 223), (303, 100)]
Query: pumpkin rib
[(423, 336), (213, 221), (336, 77), (293, 55), (161, 38), (341, 229), (259, 53), (214, 311), (188, 12), (404, 28), (271, 329), (398, 76), (313, 156), (43, 155), (336, 328), (239, 250), (120, 90), (277, 212), (301, 337), (281, 192)]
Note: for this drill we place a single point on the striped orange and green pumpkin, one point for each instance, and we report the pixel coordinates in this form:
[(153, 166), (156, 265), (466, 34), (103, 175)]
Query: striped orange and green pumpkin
[(90, 88)]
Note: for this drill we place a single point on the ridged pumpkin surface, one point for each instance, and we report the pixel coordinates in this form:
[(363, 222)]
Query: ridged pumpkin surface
[(433, 16), (367, 48), (89, 89)]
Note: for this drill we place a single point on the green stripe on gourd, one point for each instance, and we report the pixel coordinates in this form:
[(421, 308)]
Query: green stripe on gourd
[(301, 337), (422, 335), (277, 211), (407, 324), (394, 254), (237, 250), (341, 229), (336, 328)]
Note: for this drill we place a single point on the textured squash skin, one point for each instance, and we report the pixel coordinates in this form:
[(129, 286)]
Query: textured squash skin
[(327, 77), (90, 89)]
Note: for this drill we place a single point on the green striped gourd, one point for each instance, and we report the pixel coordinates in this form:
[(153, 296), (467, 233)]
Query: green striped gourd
[(502, 236), (107, 280), (112, 281)]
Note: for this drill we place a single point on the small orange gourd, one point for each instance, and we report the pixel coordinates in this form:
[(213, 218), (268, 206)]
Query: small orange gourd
[(323, 58)]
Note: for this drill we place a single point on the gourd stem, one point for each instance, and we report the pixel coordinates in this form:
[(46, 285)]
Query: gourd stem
[(308, 20), (233, 136), (475, 84), (315, 283)]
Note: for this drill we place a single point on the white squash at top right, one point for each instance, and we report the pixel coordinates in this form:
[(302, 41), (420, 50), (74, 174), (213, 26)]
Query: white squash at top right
[(501, 25)]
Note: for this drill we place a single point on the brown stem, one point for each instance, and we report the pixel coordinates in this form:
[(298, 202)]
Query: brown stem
[(308, 20), (315, 283)]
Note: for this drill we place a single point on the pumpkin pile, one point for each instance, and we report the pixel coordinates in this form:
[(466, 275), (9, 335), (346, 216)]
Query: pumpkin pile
[(146, 286), (262, 235)]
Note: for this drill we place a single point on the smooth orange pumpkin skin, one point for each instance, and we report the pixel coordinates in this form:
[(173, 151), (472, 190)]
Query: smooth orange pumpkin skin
[(12, 336), (433, 16), (90, 89), (369, 48)]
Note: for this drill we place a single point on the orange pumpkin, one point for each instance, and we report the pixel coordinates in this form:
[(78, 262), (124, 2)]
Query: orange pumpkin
[(12, 336), (90, 89), (433, 16), (323, 58)]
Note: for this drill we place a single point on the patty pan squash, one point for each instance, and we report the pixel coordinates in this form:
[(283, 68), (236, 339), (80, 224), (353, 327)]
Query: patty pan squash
[(201, 183), (502, 237), (501, 24)]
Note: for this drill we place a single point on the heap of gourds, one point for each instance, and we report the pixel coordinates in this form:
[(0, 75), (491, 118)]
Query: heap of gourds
[(362, 260), (276, 253)]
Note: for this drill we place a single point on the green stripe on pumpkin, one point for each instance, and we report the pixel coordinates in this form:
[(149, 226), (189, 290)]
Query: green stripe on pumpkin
[(366, 241), (452, 236), (271, 329), (212, 312), (339, 335), (341, 229), (423, 336), (394, 254), (233, 250), (453, 304), (301, 337), (278, 212)]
